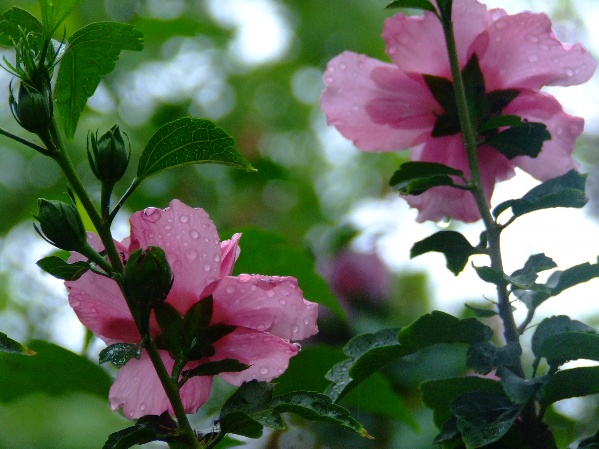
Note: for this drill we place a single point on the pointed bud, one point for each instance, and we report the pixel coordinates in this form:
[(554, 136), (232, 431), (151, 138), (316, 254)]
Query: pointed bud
[(61, 225), (108, 156), (147, 279), (33, 110)]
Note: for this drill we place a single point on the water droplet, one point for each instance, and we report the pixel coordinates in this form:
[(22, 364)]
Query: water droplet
[(244, 277), (283, 292), (283, 302), (280, 370), (306, 321), (217, 258), (297, 346), (75, 303), (206, 240), (329, 79), (131, 414), (264, 370), (93, 310), (532, 58), (230, 289), (168, 227), (253, 288), (152, 214), (261, 327), (192, 254), (294, 329), (270, 293), (342, 66), (392, 49), (355, 107), (568, 71), (184, 218), (555, 60), (194, 234), (532, 38), (142, 406), (207, 267), (544, 47)]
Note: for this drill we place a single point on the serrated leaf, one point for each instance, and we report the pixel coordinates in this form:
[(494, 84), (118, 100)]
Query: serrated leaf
[(414, 178), (452, 244), (438, 394), (60, 269), (571, 383), (11, 346), (91, 53), (15, 19), (189, 141), (483, 356), (55, 11), (566, 346), (317, 407), (147, 429), (216, 367), (556, 325), (524, 140), (483, 418), (120, 353), (413, 4)]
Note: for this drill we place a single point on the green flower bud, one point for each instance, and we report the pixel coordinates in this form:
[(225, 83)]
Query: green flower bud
[(61, 225), (147, 279), (108, 156), (33, 110)]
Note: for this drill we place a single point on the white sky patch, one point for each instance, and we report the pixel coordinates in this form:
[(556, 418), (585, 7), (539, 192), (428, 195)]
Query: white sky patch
[(262, 32)]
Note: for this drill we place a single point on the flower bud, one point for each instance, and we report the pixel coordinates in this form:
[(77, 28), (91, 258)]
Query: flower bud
[(108, 156), (33, 110), (147, 279), (61, 225)]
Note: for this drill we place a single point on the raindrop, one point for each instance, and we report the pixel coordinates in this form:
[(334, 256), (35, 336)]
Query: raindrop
[(206, 240), (532, 58), (306, 321), (264, 370), (194, 234), (270, 293), (184, 218), (283, 302), (555, 60), (342, 66), (152, 214), (355, 107), (283, 292), (544, 47), (568, 71), (142, 406), (75, 303), (294, 329), (261, 327), (532, 38), (217, 258), (192, 254), (329, 79), (168, 227), (207, 267), (93, 310), (230, 289), (392, 49), (297, 346)]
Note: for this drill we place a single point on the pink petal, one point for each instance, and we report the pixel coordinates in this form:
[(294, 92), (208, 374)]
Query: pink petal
[(139, 392), (265, 303), (376, 105), (520, 51), (268, 355), (230, 253), (190, 242), (556, 155), (416, 44)]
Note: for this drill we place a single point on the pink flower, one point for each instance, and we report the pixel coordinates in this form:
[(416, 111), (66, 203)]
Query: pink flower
[(267, 311), (388, 107)]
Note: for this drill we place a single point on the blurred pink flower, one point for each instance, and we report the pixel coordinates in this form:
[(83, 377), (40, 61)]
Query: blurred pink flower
[(388, 107), (268, 311)]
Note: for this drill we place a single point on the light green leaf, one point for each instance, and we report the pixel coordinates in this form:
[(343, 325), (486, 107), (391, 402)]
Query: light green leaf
[(189, 141), (13, 21), (91, 52), (55, 11), (60, 269)]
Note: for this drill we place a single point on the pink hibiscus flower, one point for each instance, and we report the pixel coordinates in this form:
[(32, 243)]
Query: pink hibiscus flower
[(389, 107), (267, 311)]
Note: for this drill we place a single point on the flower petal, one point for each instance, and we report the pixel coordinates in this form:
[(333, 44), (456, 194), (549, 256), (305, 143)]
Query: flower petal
[(556, 155), (268, 355), (139, 392), (230, 253), (521, 51), (376, 105), (190, 242), (265, 303)]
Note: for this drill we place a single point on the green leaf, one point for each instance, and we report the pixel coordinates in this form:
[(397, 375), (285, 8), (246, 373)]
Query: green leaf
[(490, 275), (147, 429), (519, 390), (9, 345), (414, 178), (452, 244), (563, 191), (317, 407), (500, 121), (439, 394), (60, 269), (12, 21), (53, 371), (480, 312), (440, 327), (367, 354), (484, 357), (524, 140), (589, 443), (556, 325), (91, 52), (560, 348), (414, 4), (55, 11), (267, 253), (483, 418), (171, 325), (217, 367), (526, 276), (120, 353), (189, 141), (571, 383)]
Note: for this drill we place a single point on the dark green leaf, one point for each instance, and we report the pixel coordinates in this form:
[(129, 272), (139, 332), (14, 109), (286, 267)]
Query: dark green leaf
[(560, 348), (442, 90), (9, 345), (438, 394), (317, 407), (496, 100), (196, 328), (54, 12), (490, 275), (11, 23), (367, 354), (452, 244), (484, 357), (60, 269), (217, 367), (500, 121), (414, 4), (189, 141), (171, 324), (147, 429), (480, 312), (474, 86), (556, 325), (483, 418), (53, 371), (570, 383), (120, 353), (91, 52), (414, 178), (519, 390), (524, 140), (526, 276)]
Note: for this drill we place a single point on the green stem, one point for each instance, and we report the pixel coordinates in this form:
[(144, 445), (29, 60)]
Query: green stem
[(24, 142), (136, 182), (171, 389)]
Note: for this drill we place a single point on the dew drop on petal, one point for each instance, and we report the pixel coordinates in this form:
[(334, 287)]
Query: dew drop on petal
[(342, 66), (261, 327), (192, 254), (217, 258), (297, 346), (194, 234), (230, 289), (184, 218), (532, 38), (93, 310), (142, 406), (264, 370), (329, 79), (282, 302), (152, 214), (294, 329), (207, 267), (168, 227), (532, 58), (270, 293), (283, 292), (392, 49), (568, 71), (306, 321), (75, 303)]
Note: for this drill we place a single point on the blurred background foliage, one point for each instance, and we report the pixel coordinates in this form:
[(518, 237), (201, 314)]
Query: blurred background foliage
[(254, 67)]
